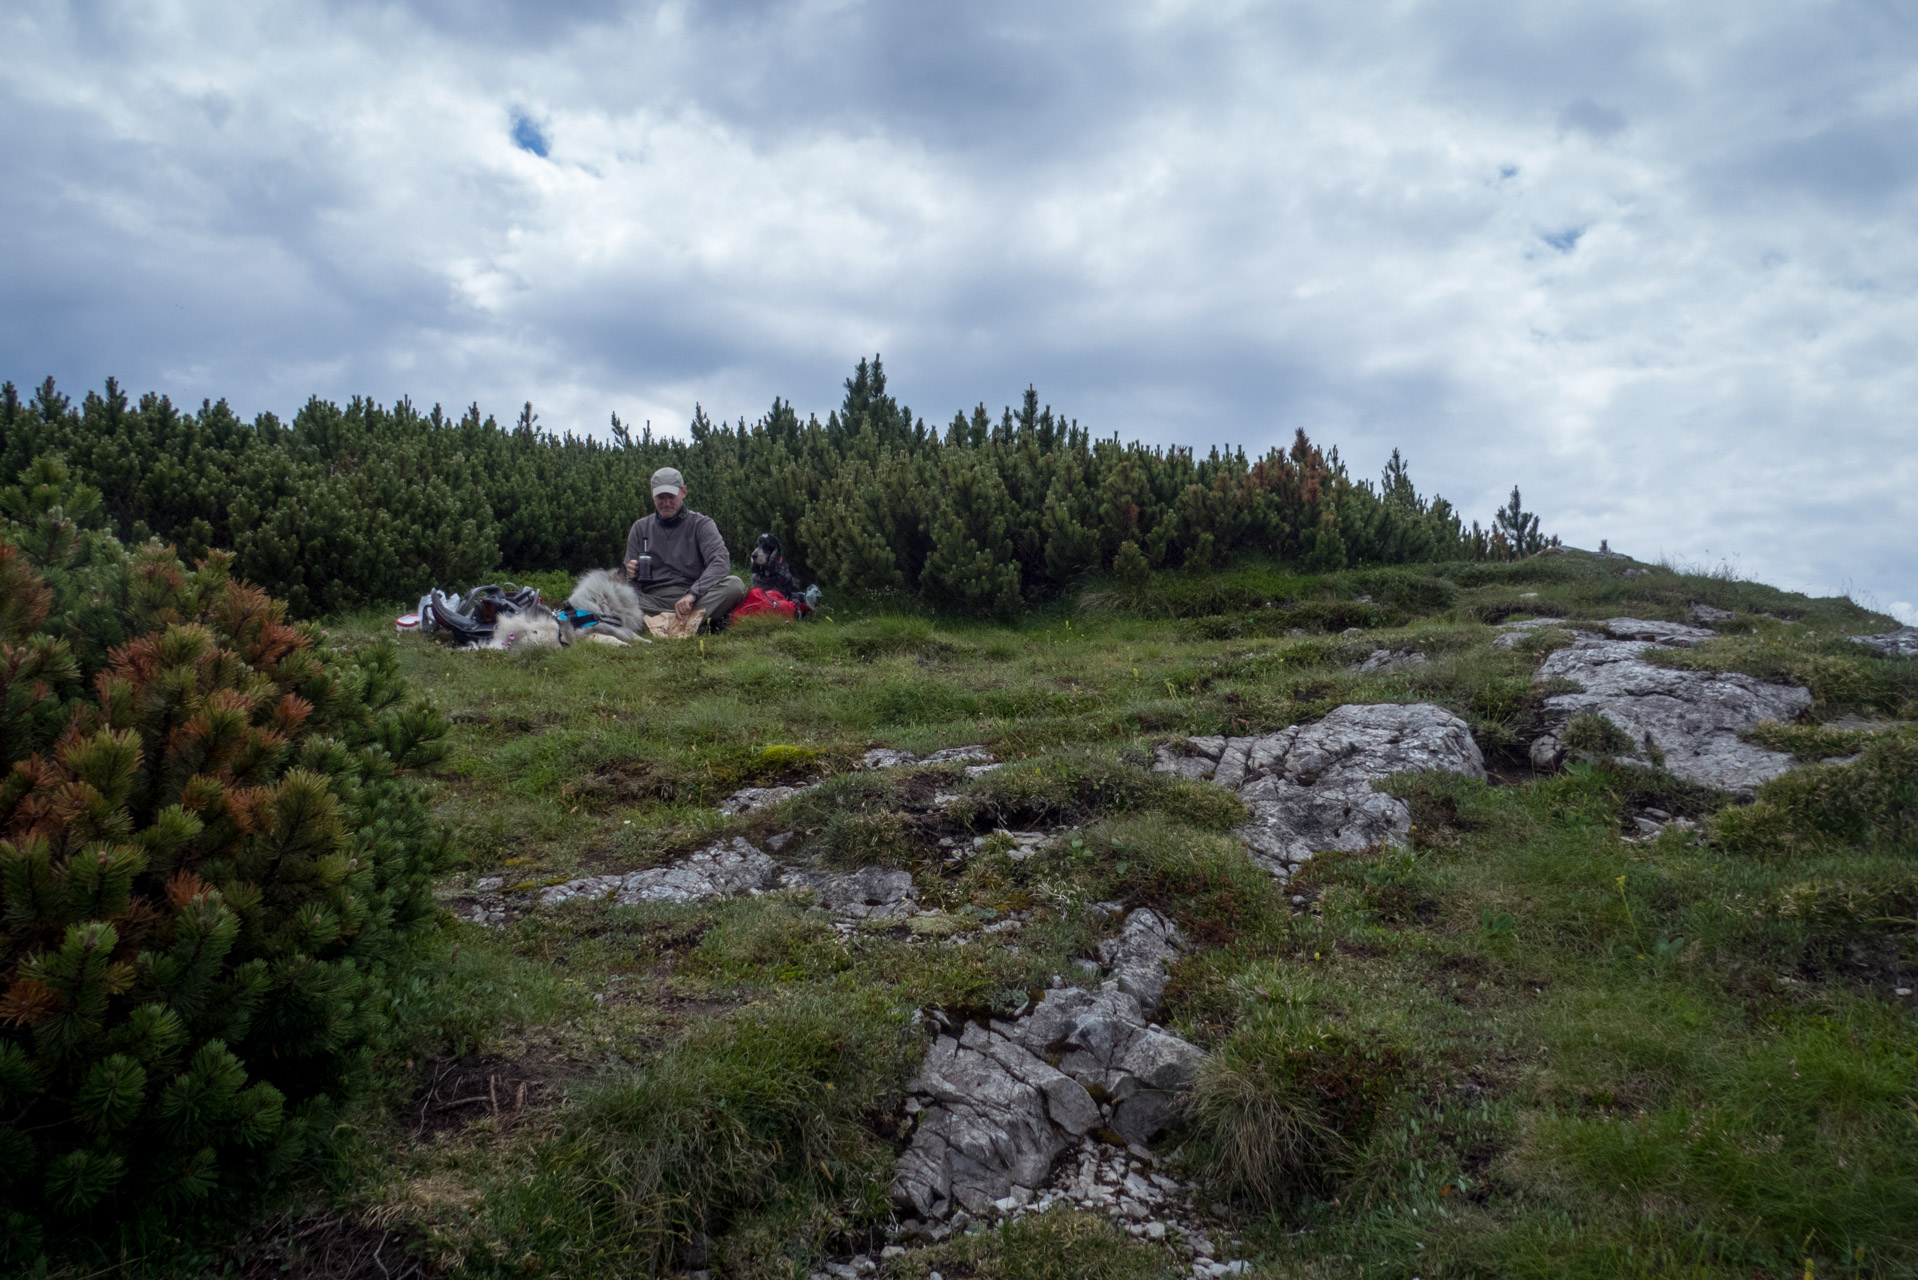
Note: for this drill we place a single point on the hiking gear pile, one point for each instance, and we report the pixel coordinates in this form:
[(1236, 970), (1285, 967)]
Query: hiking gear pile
[(603, 607)]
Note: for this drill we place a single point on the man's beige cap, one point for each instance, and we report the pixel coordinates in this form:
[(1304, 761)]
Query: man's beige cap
[(667, 480)]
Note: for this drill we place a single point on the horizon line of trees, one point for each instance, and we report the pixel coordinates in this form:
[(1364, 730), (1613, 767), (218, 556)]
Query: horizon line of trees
[(359, 504)]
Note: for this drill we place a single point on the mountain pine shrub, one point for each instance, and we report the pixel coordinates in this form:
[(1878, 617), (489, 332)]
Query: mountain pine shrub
[(211, 862), (346, 506)]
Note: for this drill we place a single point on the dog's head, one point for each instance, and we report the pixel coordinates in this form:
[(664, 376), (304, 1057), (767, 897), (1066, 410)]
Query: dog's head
[(767, 553)]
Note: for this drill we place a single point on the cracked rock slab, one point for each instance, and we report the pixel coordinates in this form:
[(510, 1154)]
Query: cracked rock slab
[(870, 893), (1512, 633), (1675, 634), (894, 758), (753, 799), (1138, 958), (1902, 643), (1309, 787), (999, 1104), (1386, 661), (723, 870), (1693, 717)]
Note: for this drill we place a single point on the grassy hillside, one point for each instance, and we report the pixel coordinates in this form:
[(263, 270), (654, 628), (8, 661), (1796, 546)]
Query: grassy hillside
[(1523, 1047)]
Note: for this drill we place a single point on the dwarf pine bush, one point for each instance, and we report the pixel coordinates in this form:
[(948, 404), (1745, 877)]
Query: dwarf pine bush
[(210, 863), (350, 505)]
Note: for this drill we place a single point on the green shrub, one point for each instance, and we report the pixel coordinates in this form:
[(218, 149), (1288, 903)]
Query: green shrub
[(210, 865)]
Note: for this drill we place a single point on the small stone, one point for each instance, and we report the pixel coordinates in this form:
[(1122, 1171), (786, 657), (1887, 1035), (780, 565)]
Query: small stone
[(487, 884), (1155, 1230), (1901, 991), (890, 1251)]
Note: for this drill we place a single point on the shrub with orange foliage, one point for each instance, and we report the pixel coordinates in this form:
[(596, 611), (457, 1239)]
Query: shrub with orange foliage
[(211, 862)]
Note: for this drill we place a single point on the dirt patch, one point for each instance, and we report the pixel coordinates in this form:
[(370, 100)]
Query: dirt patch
[(458, 1091), (330, 1248)]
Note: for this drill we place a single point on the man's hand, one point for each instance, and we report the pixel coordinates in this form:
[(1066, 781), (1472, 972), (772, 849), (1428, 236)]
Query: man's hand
[(684, 605), (632, 570)]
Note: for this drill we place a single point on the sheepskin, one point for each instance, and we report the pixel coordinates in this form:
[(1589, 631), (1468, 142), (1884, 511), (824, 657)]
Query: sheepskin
[(526, 631)]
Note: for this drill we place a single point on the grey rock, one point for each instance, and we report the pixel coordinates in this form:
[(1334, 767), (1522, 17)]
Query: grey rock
[(1902, 643), (1386, 661), (1511, 633), (998, 1118), (1309, 787), (870, 893), (722, 870), (960, 755), (1693, 717), (1676, 634), (999, 1104), (886, 758), (894, 758), (1102, 1040), (1705, 614), (1139, 957), (1174, 760), (1547, 751), (753, 799)]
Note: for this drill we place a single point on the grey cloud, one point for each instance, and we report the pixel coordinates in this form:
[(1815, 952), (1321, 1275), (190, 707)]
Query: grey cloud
[(1582, 115), (1210, 226), (1861, 162)]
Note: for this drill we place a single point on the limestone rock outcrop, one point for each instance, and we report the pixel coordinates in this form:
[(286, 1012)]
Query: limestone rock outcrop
[(1675, 634), (1386, 661), (1309, 787), (998, 1104), (870, 893), (1692, 717), (723, 870), (1902, 643)]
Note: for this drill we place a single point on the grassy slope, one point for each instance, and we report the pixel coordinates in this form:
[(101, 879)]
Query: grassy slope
[(1523, 1047)]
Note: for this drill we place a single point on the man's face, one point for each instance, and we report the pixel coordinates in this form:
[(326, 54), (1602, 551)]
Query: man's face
[(668, 504)]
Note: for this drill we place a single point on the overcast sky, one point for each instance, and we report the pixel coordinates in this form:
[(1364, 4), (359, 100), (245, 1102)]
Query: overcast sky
[(1655, 263)]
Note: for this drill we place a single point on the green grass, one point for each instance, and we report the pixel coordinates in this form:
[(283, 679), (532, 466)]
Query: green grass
[(1521, 1047)]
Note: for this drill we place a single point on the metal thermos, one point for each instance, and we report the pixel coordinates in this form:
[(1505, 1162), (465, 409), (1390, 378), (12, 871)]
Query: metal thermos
[(645, 571)]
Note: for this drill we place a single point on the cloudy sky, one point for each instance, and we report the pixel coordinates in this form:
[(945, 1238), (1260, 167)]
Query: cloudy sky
[(1655, 263)]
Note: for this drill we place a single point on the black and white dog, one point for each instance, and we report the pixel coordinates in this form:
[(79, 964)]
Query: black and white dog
[(769, 568)]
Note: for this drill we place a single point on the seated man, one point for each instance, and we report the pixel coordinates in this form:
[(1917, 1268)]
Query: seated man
[(676, 559)]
